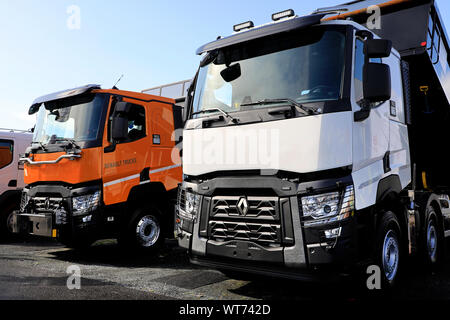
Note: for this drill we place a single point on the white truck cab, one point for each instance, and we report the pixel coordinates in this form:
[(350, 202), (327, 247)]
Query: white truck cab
[(12, 144), (314, 142)]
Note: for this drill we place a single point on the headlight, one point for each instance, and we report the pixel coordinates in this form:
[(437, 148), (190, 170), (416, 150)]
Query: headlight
[(188, 204), (84, 204), (321, 206), (328, 207)]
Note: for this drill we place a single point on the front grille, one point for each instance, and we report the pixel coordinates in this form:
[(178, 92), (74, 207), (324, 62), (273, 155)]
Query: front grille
[(181, 199), (259, 208), (259, 223), (231, 230), (23, 201), (43, 204)]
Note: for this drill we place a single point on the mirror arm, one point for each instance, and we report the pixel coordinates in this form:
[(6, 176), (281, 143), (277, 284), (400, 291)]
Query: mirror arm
[(364, 113), (110, 148)]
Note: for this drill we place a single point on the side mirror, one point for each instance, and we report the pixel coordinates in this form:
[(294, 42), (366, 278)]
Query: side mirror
[(376, 87), (377, 82), (122, 107), (119, 128), (34, 108), (378, 48)]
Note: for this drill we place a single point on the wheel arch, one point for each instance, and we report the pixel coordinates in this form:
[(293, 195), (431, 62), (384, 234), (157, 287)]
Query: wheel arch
[(10, 196), (430, 200), (153, 194), (389, 199)]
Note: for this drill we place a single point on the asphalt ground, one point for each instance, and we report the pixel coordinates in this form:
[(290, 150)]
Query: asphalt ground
[(36, 269)]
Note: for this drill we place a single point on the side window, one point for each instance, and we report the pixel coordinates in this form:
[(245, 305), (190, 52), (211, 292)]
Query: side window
[(136, 123), (396, 109), (433, 39), (6, 153), (358, 76)]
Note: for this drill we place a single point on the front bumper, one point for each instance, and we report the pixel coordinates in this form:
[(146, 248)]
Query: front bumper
[(301, 247), (34, 224), (45, 225), (46, 210)]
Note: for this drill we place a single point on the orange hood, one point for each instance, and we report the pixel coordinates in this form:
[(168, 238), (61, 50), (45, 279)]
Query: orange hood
[(85, 169)]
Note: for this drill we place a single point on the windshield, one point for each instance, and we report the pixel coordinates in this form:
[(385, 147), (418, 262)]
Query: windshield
[(304, 67), (77, 119)]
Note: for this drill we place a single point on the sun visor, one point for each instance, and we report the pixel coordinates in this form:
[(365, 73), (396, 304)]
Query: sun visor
[(264, 31), (61, 95)]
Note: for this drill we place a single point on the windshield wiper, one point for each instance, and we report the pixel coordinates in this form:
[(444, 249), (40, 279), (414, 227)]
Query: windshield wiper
[(40, 145), (70, 141), (234, 120), (300, 108)]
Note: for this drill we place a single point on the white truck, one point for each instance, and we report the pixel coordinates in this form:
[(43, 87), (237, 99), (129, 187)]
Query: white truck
[(318, 143), (12, 144)]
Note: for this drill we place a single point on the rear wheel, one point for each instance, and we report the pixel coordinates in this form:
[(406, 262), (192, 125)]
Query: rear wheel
[(431, 240)]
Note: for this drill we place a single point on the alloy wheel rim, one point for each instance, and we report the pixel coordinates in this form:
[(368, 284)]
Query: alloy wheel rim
[(148, 231), (391, 254), (432, 241)]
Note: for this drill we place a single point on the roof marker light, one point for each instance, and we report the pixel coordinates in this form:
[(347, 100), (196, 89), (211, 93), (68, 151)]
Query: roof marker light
[(283, 14), (242, 26)]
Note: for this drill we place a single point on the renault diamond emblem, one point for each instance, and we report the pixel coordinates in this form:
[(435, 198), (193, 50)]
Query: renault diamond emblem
[(242, 206), (47, 203)]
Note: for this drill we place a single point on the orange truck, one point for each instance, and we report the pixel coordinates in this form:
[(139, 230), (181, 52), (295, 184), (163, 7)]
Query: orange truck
[(103, 164)]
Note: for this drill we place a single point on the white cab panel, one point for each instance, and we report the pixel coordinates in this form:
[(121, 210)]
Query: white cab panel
[(370, 145), (11, 171), (301, 145)]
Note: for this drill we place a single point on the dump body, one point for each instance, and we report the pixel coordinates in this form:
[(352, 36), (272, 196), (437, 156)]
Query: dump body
[(418, 33)]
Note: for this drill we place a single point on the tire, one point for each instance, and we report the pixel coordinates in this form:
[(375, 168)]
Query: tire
[(389, 250), (431, 240), (5, 222), (145, 230)]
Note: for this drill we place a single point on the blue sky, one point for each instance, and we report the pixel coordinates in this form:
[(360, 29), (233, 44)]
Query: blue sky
[(151, 42)]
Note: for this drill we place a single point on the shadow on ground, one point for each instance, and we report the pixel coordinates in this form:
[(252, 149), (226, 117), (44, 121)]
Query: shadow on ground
[(108, 252), (417, 283)]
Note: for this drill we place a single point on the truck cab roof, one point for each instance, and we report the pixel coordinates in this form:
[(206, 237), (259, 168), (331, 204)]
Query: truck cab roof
[(95, 88)]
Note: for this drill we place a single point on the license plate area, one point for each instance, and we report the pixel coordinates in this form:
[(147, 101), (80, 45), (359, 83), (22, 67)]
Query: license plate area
[(39, 225)]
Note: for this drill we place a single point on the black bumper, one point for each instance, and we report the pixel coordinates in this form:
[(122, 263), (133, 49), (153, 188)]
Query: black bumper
[(300, 250), (303, 274), (44, 225)]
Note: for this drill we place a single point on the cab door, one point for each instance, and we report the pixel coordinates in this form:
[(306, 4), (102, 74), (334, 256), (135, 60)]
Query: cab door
[(370, 138), (124, 161)]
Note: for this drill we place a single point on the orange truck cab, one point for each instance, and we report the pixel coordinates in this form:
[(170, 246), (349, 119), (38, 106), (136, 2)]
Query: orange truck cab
[(103, 164)]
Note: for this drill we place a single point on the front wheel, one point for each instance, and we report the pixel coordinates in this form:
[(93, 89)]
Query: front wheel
[(6, 222), (144, 231), (389, 250)]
